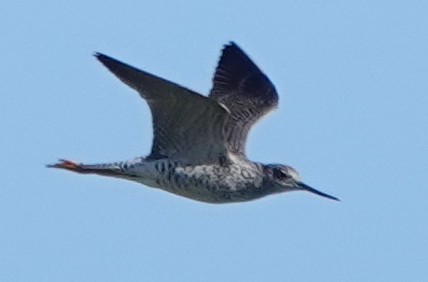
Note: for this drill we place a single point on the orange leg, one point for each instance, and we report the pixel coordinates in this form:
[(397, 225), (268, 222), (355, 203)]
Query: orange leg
[(106, 170)]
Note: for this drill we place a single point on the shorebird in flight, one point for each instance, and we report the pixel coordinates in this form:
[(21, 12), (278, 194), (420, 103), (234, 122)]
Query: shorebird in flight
[(198, 148)]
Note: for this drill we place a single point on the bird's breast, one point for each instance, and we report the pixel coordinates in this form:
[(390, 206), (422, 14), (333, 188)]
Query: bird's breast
[(212, 183)]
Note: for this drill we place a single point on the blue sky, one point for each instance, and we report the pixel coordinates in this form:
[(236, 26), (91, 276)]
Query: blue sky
[(352, 80)]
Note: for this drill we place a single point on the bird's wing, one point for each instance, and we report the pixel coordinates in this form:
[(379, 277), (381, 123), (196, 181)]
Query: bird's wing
[(187, 126), (245, 91)]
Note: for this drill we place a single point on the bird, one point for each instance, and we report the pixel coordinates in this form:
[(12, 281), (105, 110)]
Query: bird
[(199, 142)]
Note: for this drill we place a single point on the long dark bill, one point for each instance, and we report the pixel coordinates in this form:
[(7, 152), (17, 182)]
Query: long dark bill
[(308, 188)]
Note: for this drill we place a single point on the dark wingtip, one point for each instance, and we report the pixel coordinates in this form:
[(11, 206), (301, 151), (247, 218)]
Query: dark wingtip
[(236, 72), (107, 60), (101, 57), (232, 44)]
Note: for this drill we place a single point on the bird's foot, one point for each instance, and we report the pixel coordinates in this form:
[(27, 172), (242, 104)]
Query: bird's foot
[(69, 165), (110, 169)]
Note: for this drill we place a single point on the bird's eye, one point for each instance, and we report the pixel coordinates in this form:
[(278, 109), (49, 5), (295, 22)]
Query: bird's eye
[(279, 174)]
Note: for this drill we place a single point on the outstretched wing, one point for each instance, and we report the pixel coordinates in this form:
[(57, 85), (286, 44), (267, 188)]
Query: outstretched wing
[(187, 126), (245, 91)]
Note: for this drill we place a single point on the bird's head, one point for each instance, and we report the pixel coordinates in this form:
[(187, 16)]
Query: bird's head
[(283, 178)]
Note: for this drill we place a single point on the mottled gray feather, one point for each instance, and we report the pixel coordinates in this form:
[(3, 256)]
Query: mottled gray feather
[(187, 126)]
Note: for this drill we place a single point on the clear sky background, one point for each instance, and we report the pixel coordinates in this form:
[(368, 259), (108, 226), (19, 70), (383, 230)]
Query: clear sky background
[(353, 120)]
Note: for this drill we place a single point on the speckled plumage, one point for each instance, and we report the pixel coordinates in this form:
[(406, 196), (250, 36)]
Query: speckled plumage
[(199, 142)]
